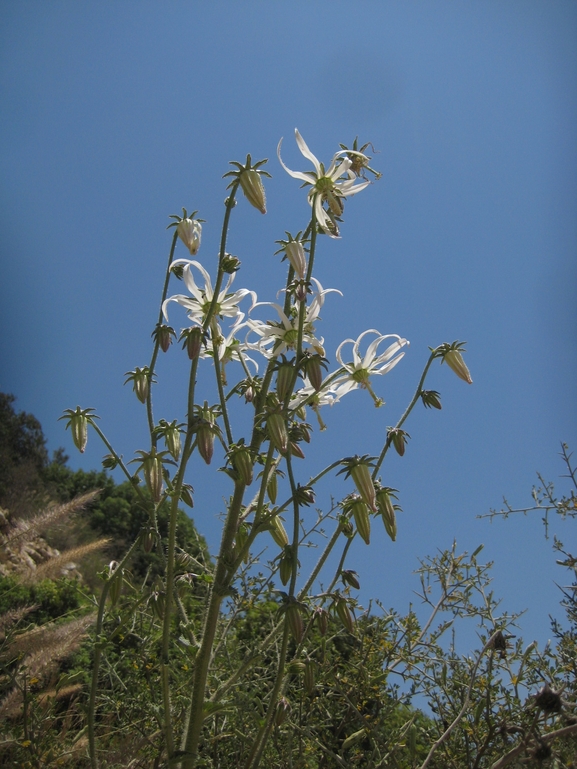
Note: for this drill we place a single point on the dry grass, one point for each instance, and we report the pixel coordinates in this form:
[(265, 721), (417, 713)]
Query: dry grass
[(41, 650), (33, 526), (53, 566), (13, 617)]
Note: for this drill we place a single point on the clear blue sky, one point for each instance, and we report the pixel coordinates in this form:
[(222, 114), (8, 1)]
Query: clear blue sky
[(115, 115)]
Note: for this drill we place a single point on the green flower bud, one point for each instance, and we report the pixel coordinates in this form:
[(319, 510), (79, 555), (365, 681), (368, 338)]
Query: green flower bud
[(242, 462), (431, 399), (455, 361), (295, 621), (186, 493), (206, 429), (359, 470), (109, 462), (285, 377), (344, 613), (295, 450), (387, 510), (147, 538), (282, 710), (171, 434), (350, 577), (305, 495), (140, 379), (252, 186), (286, 564), (230, 264), (363, 522), (346, 527), (278, 531), (115, 580), (192, 341), (159, 603), (399, 439), (322, 619), (272, 487), (78, 421), (153, 475), (205, 441), (313, 365), (277, 431), (163, 335), (451, 355), (241, 540)]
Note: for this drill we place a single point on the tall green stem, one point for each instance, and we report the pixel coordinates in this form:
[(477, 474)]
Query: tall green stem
[(98, 655), (157, 341), (408, 410), (219, 590)]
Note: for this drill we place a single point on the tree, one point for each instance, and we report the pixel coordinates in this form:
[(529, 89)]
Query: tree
[(23, 457)]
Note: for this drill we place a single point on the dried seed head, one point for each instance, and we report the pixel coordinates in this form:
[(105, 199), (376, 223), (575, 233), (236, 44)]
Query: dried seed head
[(548, 700)]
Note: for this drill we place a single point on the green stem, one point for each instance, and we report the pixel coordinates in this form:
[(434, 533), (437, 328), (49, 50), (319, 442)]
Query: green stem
[(264, 732), (192, 730), (119, 462), (97, 656), (170, 565), (296, 520), (153, 437), (219, 384), (211, 314), (303, 304), (219, 589), (320, 563), (339, 568), (408, 410)]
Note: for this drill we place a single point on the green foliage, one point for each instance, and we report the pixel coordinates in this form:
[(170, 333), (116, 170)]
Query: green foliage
[(23, 455), (120, 514), (53, 598)]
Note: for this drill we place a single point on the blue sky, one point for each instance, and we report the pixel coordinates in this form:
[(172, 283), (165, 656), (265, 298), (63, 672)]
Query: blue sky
[(115, 115)]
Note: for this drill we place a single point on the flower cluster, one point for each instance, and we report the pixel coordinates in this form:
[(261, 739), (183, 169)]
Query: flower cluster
[(298, 317)]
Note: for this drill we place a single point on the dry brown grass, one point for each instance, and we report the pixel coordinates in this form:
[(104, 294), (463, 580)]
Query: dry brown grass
[(41, 650)]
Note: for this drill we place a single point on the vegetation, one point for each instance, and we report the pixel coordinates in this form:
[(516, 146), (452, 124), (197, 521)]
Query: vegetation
[(125, 644)]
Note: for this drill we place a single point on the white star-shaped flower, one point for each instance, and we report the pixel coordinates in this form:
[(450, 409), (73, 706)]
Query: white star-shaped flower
[(277, 338), (330, 185), (200, 300), (358, 372)]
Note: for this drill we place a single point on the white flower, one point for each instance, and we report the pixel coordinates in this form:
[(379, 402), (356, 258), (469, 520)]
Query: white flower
[(308, 396), (198, 304), (358, 372), (329, 185), (189, 231), (277, 338), (230, 348)]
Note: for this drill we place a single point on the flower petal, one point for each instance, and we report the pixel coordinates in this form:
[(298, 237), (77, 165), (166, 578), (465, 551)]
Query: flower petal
[(302, 145), (310, 178)]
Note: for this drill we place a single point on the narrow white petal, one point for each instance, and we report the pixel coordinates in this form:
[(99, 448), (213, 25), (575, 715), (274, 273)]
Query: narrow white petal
[(307, 153), (338, 353), (188, 280), (387, 367), (309, 178), (370, 353), (349, 188)]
